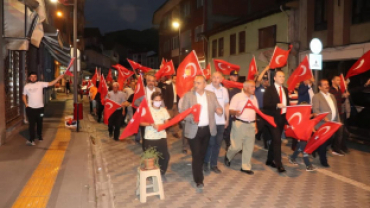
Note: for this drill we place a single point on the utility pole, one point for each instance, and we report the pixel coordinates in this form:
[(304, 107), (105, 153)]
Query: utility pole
[(75, 85), (2, 77)]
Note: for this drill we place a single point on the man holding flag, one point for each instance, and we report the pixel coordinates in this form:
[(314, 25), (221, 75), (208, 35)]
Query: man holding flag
[(243, 128), (114, 121)]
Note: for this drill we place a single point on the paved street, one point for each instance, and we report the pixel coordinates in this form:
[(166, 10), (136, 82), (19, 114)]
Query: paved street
[(345, 184)]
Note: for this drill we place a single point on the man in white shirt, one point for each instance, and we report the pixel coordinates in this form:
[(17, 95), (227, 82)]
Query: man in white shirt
[(244, 127), (33, 99), (324, 102), (114, 121), (222, 95)]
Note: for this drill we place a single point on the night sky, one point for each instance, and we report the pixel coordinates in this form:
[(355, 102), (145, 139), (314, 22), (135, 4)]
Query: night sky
[(113, 15)]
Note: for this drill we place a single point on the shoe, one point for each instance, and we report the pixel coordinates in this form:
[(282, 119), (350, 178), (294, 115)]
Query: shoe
[(270, 163), (292, 161), (326, 165), (116, 139), (200, 185), (206, 168), (310, 168), (29, 143), (337, 154), (216, 170), (164, 179), (249, 172), (227, 162), (281, 169), (40, 138)]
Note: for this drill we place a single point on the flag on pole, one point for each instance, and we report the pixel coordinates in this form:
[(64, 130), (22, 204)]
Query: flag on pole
[(135, 66), (68, 72), (194, 110), (225, 67), (300, 74), (109, 76), (321, 136), (280, 57), (93, 79), (342, 85), (109, 107), (231, 84), (139, 91), (361, 65), (252, 69), (267, 118), (167, 69), (207, 72), (103, 89)]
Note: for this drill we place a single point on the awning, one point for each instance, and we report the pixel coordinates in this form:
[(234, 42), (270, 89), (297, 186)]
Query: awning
[(61, 54)]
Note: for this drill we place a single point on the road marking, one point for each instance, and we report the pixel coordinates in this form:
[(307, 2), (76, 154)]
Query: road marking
[(36, 192)]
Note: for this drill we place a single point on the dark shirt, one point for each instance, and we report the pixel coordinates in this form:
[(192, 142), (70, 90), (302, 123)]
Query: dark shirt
[(303, 94), (338, 96), (232, 92), (97, 96), (259, 95)]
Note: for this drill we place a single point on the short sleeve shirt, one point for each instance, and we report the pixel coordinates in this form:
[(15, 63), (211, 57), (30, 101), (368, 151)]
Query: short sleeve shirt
[(34, 92), (238, 102), (160, 116), (222, 96)]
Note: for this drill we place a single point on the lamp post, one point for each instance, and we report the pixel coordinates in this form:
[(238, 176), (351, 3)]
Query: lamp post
[(176, 25), (75, 77)]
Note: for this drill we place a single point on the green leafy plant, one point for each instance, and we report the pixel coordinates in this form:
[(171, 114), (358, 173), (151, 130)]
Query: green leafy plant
[(149, 153)]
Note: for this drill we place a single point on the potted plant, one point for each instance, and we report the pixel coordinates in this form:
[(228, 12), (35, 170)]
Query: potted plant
[(149, 158)]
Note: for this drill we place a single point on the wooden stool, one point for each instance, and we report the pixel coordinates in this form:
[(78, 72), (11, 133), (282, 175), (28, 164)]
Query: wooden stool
[(141, 186)]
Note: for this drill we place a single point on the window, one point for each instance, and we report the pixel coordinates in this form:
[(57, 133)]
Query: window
[(242, 42), (267, 37), (321, 19), (360, 11), (200, 3), (233, 44), (175, 43), (186, 9), (214, 48), (198, 31), (221, 47)]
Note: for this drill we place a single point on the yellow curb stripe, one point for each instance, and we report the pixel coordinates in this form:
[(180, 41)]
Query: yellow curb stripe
[(36, 192)]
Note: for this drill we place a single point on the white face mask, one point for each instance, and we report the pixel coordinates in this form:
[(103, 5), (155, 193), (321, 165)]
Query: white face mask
[(157, 104)]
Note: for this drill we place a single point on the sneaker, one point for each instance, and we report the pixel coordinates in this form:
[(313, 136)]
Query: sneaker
[(29, 143), (206, 168), (41, 139), (337, 154), (310, 168), (292, 161)]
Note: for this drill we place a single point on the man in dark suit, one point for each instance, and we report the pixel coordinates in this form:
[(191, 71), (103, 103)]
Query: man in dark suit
[(170, 101), (275, 101)]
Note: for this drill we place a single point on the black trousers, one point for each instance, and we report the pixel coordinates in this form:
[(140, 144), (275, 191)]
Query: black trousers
[(274, 152), (340, 137), (91, 106), (99, 109), (198, 147), (161, 146), (322, 150), (263, 131), (114, 123), (227, 132), (35, 117)]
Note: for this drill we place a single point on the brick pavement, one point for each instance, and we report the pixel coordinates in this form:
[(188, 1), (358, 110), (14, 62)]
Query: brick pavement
[(345, 184)]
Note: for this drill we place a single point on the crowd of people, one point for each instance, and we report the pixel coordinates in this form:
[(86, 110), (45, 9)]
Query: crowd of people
[(222, 117)]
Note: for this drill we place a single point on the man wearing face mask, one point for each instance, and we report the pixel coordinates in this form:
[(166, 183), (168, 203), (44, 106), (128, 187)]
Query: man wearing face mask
[(222, 122), (34, 103), (198, 133)]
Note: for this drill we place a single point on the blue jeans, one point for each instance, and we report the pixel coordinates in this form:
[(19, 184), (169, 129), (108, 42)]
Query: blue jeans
[(214, 146), (300, 148)]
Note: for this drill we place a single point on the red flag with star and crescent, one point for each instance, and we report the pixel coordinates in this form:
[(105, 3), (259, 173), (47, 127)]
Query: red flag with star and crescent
[(166, 70), (103, 89), (207, 72), (298, 116), (232, 84), (123, 75), (93, 79), (300, 74), (195, 110), (109, 77), (142, 114), (252, 69), (225, 67), (280, 57), (139, 91), (109, 107), (135, 66), (322, 135), (342, 84), (361, 65), (186, 73), (68, 70), (267, 118)]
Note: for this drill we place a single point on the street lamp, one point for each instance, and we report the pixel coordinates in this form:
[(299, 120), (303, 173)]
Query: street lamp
[(75, 78), (176, 25), (59, 14)]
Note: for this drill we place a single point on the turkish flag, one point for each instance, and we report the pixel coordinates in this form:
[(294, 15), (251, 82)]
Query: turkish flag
[(109, 76), (132, 126), (298, 117), (321, 136), (207, 72), (186, 73), (268, 118), (109, 107), (68, 70), (167, 69), (231, 84), (300, 74), (93, 79), (342, 85), (139, 91), (103, 89), (279, 58), (361, 65), (146, 116), (123, 75), (135, 66), (89, 84), (252, 69), (225, 67), (195, 110)]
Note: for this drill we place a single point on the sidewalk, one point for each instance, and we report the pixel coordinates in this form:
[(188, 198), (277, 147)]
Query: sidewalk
[(54, 173), (345, 184)]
